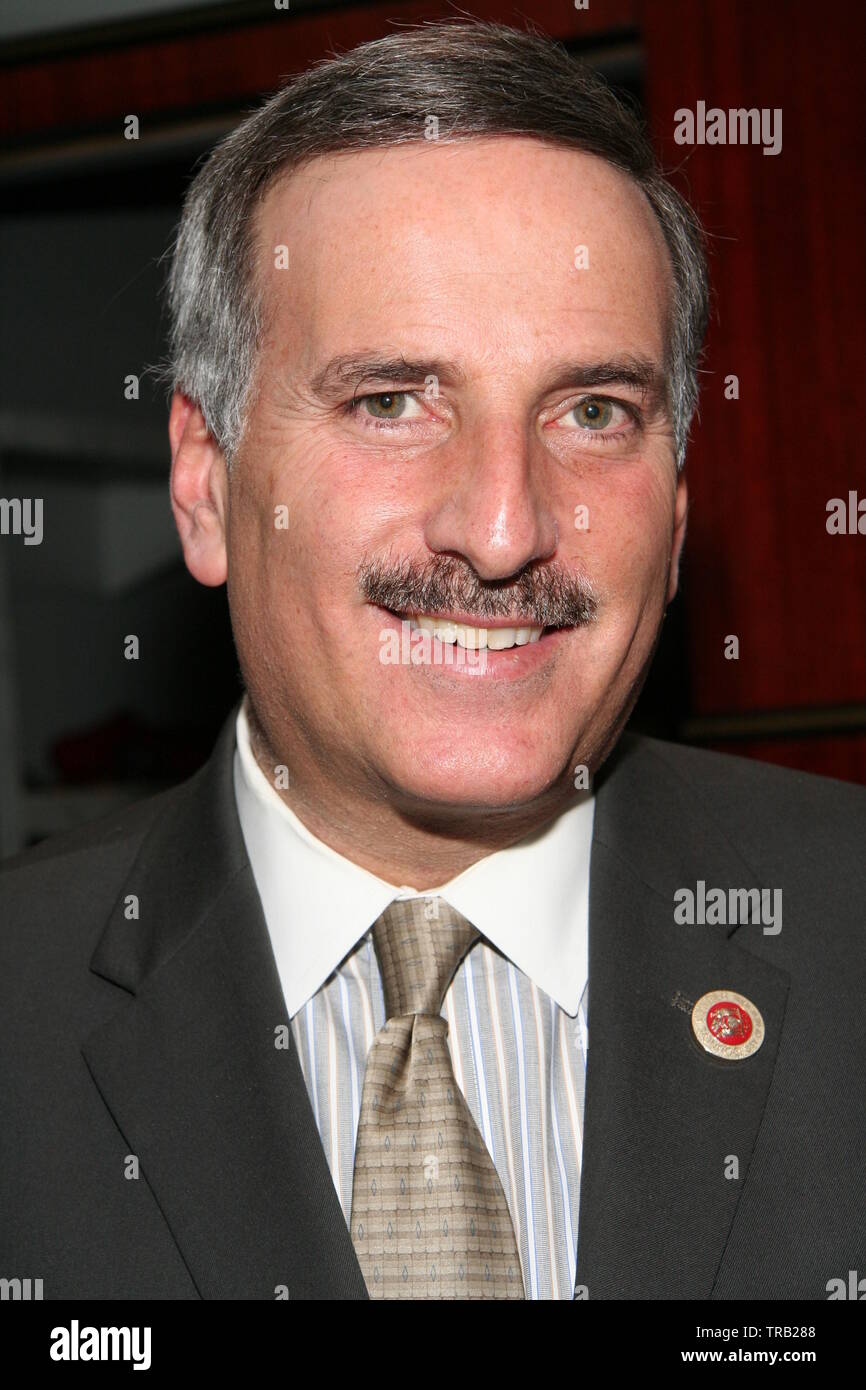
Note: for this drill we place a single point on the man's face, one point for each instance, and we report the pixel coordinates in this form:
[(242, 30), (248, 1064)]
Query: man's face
[(537, 493)]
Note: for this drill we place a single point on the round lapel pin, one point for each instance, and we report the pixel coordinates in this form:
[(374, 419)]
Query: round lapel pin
[(727, 1025)]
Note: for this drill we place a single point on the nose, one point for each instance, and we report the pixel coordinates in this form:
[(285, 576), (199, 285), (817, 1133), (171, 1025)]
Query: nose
[(495, 514)]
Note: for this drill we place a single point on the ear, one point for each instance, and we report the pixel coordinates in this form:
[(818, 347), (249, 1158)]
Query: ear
[(199, 492), (681, 507)]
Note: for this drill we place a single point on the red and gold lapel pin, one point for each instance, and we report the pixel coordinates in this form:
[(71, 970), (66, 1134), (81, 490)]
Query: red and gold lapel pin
[(727, 1024)]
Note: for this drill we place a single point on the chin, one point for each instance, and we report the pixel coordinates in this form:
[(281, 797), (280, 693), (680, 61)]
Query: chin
[(472, 778)]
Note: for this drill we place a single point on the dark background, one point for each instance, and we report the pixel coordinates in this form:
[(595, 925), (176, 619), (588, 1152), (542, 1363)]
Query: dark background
[(89, 215)]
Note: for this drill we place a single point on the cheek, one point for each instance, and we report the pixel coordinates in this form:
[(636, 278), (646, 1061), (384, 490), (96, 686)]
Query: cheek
[(299, 529), (260, 544), (355, 508), (628, 541)]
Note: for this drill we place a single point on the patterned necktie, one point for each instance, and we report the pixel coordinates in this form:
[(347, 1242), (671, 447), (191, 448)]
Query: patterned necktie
[(429, 1216)]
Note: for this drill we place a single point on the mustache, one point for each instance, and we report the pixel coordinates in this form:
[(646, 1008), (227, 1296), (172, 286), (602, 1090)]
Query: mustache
[(541, 596)]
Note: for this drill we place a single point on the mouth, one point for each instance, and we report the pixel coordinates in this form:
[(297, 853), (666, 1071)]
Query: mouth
[(474, 633)]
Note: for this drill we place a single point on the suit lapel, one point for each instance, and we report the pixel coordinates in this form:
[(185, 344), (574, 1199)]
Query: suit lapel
[(190, 1067), (663, 1118)]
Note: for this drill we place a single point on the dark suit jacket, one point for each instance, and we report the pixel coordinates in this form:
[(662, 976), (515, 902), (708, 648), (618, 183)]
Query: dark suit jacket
[(154, 1036)]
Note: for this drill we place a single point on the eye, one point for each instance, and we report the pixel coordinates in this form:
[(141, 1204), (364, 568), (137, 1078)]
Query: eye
[(600, 415), (385, 406)]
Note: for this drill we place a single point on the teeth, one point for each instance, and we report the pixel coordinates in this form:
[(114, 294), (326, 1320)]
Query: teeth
[(473, 638), (496, 639), (446, 632)]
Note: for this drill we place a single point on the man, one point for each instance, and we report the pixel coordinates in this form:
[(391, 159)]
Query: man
[(430, 984)]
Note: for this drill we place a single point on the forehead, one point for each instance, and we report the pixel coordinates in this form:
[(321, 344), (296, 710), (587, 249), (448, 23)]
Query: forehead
[(487, 244)]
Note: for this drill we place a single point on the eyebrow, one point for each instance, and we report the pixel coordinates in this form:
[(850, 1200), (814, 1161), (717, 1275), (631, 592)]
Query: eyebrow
[(351, 370)]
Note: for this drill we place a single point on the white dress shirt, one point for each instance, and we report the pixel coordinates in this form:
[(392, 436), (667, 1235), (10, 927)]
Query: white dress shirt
[(516, 1006)]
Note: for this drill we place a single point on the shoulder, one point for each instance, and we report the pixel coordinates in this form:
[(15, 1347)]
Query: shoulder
[(67, 884), (731, 780), (109, 836), (772, 814), (681, 817)]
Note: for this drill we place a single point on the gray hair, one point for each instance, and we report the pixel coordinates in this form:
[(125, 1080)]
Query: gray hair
[(478, 79)]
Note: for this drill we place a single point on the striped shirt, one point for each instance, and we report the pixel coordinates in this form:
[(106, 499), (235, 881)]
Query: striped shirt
[(519, 1053)]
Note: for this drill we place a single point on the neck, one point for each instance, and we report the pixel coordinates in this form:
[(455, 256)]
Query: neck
[(419, 848)]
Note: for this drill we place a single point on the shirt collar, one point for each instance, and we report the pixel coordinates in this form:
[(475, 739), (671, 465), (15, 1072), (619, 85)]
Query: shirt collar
[(531, 900)]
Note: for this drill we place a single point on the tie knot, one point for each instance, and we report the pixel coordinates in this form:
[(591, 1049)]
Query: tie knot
[(419, 944)]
